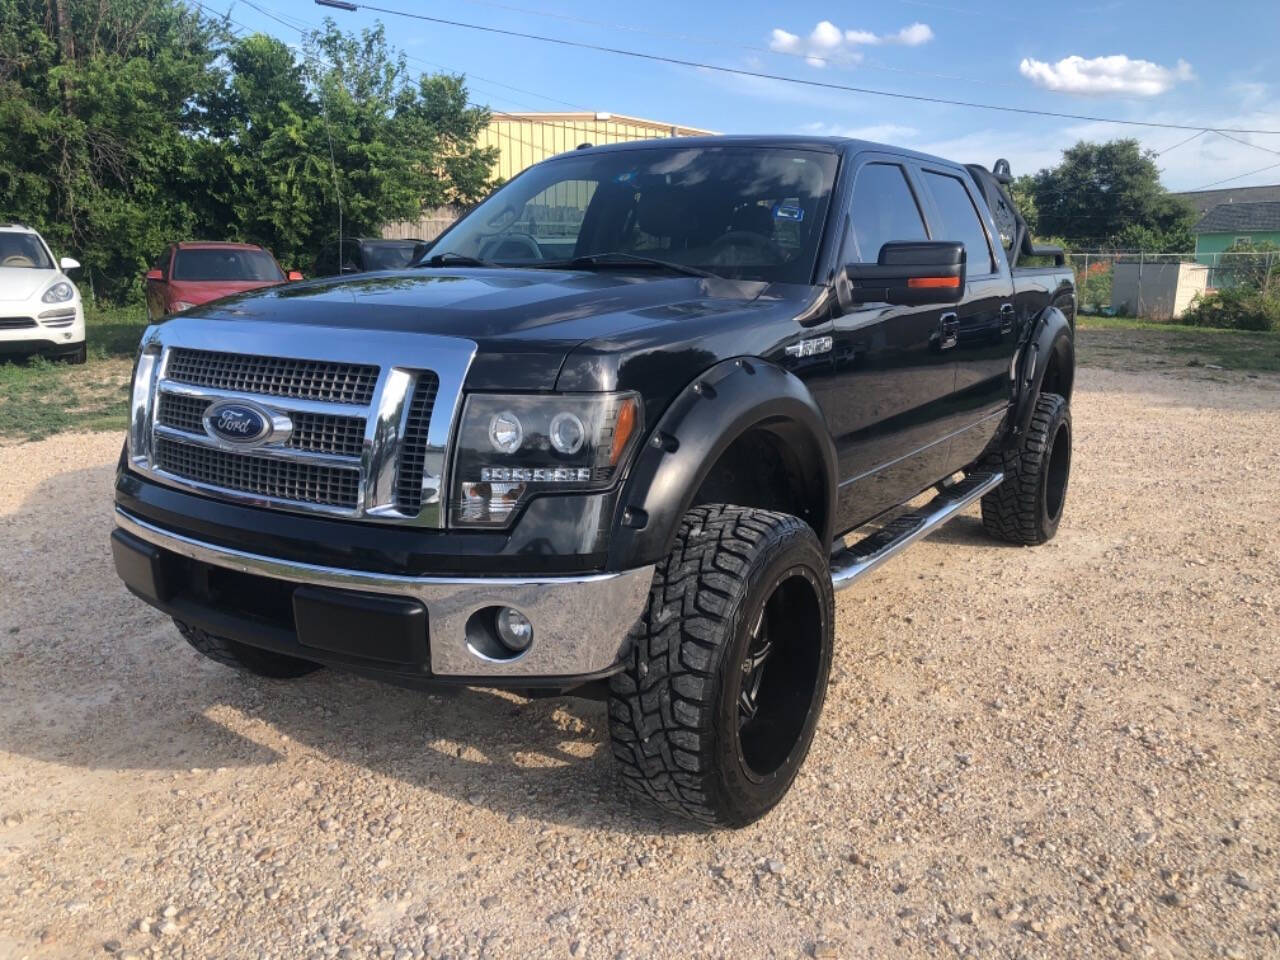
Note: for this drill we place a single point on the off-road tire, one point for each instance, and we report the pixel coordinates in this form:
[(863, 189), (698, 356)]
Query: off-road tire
[(674, 713), (232, 653), (1028, 506)]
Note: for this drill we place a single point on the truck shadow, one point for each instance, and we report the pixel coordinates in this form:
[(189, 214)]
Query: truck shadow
[(92, 677)]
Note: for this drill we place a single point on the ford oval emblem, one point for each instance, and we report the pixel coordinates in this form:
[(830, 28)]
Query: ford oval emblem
[(238, 423)]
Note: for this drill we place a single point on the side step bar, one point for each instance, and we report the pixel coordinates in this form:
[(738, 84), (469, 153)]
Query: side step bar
[(851, 563)]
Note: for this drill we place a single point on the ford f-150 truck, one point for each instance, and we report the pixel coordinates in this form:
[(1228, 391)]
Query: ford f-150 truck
[(621, 432)]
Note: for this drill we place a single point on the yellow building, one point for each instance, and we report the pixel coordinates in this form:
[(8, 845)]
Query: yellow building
[(523, 139)]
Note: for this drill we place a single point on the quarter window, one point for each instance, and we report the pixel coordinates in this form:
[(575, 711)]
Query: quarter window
[(960, 221), (884, 211)]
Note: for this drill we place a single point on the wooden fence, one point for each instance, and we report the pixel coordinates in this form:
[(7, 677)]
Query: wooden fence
[(430, 225)]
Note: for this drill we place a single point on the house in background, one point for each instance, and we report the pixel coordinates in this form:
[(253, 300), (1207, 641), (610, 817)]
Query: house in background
[(1230, 223), (523, 139)]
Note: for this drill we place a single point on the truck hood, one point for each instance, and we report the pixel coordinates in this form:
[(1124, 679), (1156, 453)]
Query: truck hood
[(524, 322)]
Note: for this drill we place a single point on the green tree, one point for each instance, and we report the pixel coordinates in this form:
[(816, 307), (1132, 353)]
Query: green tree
[(1102, 193), (345, 123), (98, 120), (126, 124), (1023, 193)]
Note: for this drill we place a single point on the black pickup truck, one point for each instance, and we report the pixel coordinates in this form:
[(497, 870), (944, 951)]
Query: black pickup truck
[(621, 433)]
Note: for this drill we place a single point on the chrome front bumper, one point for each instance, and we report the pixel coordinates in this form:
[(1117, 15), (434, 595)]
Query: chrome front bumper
[(580, 623)]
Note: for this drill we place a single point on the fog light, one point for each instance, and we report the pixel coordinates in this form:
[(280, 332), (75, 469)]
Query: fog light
[(514, 629)]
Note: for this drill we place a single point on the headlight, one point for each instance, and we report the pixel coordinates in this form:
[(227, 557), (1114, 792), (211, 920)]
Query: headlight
[(511, 448), (179, 305), (60, 292)]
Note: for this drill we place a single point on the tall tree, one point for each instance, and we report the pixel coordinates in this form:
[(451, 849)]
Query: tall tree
[(97, 119), (343, 128), (1105, 193)]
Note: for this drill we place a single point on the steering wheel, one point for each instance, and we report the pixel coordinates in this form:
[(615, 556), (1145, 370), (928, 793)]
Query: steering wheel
[(18, 260), (497, 248), (744, 238)]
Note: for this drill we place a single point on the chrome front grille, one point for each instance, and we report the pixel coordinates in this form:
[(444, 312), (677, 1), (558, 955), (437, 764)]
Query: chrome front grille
[(271, 477), (275, 376), (359, 429)]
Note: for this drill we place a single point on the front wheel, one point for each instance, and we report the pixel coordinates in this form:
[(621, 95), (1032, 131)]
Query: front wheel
[(729, 671), (1027, 507), (233, 653)]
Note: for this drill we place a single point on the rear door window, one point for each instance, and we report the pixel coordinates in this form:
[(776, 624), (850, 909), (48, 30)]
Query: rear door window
[(884, 211), (959, 220)]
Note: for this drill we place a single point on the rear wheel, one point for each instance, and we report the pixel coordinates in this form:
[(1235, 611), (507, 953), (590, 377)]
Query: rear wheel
[(718, 708), (233, 653), (1028, 506)]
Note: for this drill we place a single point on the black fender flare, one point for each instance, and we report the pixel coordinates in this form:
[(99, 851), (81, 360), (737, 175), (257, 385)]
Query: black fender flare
[(713, 410), (1052, 338)]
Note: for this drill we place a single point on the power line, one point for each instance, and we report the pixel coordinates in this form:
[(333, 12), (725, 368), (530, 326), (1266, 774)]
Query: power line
[(1181, 143), (1238, 176), (1248, 144), (761, 75)]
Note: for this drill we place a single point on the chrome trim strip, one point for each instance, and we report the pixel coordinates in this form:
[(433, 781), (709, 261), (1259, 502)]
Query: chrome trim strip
[(272, 450), (581, 623)]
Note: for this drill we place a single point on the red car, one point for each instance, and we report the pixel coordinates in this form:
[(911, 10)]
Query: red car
[(195, 272)]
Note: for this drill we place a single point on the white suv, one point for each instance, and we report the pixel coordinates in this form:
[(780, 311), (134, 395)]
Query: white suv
[(40, 309)]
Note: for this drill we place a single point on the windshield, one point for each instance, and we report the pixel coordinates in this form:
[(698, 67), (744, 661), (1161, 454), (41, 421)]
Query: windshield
[(23, 250), (744, 212), (390, 256), (228, 264)]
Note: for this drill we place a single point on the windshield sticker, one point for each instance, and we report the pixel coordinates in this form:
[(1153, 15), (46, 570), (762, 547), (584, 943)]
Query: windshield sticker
[(788, 211), (626, 177)]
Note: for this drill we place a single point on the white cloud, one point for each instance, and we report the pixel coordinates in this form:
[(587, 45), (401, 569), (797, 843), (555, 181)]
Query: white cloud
[(1101, 76), (913, 36), (827, 43)]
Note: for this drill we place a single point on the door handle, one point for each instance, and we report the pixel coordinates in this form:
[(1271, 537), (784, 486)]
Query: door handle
[(950, 335), (1007, 316)]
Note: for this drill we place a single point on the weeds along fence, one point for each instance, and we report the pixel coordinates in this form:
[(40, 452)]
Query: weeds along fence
[(1160, 286)]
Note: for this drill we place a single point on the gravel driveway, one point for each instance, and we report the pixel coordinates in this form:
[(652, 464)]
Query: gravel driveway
[(1066, 751)]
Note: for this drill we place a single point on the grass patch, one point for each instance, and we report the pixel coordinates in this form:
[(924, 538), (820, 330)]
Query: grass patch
[(1125, 343), (40, 397)]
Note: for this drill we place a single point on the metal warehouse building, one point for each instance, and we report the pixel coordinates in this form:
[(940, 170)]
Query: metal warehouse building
[(523, 139)]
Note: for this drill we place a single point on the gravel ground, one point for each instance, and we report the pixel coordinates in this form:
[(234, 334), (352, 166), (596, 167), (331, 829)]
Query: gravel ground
[(1066, 751)]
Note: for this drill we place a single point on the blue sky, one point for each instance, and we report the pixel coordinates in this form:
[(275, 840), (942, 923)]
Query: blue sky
[(1173, 61)]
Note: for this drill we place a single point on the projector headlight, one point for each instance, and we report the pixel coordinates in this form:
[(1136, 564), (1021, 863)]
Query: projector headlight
[(60, 292), (512, 447)]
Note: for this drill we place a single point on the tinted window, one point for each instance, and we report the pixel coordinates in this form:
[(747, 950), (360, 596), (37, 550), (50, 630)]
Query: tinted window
[(960, 221), (229, 264), (748, 213), (388, 256), (23, 250), (884, 210)]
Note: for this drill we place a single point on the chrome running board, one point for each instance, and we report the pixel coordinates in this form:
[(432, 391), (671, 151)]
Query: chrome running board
[(851, 563)]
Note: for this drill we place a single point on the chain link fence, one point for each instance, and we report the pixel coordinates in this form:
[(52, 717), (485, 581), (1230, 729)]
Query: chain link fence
[(1160, 286)]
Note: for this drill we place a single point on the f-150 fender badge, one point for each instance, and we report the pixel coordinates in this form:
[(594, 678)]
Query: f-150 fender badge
[(809, 348)]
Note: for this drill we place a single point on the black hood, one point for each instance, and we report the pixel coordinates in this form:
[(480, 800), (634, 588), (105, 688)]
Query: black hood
[(524, 322)]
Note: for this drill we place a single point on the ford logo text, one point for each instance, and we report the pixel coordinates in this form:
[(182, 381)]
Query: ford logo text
[(242, 424)]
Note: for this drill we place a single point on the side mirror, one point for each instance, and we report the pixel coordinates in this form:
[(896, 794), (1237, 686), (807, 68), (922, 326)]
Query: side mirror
[(293, 275), (913, 273), (66, 264), (154, 275)]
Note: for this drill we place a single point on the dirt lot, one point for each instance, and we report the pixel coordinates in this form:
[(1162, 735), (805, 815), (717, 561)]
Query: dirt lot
[(1068, 751)]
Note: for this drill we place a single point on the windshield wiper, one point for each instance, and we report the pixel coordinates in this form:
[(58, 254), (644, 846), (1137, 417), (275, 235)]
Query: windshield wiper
[(620, 259), (450, 259)]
